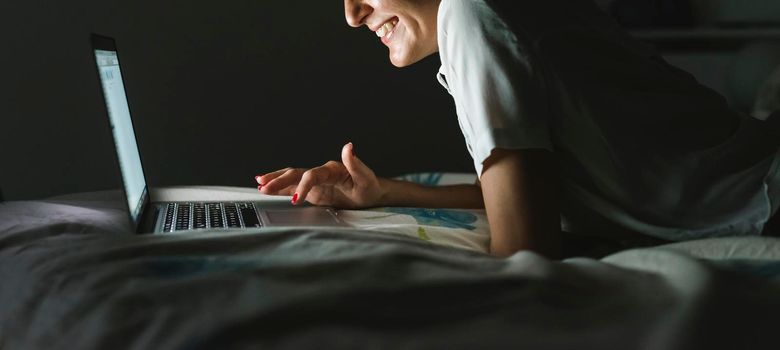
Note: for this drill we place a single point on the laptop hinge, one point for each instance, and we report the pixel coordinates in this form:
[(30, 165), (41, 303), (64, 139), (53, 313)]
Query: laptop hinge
[(148, 219)]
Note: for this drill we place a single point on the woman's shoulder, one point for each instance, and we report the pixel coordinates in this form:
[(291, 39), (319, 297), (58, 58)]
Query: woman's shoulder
[(465, 9), (532, 18), (473, 11), (469, 17), (462, 4)]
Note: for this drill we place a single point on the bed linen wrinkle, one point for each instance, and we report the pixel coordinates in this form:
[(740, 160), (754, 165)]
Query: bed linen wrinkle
[(99, 287)]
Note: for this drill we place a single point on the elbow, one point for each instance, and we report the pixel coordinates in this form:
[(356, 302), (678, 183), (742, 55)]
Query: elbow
[(505, 250), (503, 253), (549, 249)]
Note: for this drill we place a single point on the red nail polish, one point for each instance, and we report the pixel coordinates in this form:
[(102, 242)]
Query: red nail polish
[(259, 187), (295, 199)]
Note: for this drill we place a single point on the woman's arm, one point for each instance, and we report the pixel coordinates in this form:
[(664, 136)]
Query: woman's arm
[(518, 189), (407, 194), (520, 193), (351, 184)]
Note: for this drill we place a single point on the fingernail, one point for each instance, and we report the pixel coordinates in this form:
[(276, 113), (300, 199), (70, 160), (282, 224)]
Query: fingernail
[(257, 178), (295, 199), (259, 187), (352, 148)]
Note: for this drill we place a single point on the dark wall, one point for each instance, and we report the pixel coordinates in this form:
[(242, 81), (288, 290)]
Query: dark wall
[(220, 91)]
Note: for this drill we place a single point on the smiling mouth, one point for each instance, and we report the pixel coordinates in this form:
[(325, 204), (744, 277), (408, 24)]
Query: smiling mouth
[(385, 32)]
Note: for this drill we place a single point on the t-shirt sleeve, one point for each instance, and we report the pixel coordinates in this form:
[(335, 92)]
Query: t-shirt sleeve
[(497, 87)]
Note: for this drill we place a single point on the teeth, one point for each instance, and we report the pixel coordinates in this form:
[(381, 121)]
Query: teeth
[(385, 29)]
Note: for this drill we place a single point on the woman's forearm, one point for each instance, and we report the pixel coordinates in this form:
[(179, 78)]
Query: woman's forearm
[(407, 194)]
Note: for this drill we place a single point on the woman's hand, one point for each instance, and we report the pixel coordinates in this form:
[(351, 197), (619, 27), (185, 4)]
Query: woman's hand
[(348, 184)]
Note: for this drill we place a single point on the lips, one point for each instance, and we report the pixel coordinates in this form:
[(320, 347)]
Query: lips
[(385, 32)]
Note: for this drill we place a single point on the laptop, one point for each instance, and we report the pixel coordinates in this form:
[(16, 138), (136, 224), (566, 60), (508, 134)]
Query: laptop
[(148, 216)]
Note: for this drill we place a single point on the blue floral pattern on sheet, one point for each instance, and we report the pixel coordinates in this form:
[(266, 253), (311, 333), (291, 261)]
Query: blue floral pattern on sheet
[(439, 217), (426, 179)]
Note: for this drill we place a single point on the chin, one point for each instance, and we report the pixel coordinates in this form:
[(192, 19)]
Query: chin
[(402, 61), (399, 62)]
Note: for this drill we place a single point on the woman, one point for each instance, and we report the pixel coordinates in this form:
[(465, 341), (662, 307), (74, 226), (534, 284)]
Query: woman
[(571, 124)]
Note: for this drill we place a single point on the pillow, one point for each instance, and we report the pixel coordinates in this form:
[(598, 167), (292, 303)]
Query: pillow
[(31, 220)]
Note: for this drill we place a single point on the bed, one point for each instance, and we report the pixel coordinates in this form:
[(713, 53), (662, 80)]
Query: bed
[(71, 276)]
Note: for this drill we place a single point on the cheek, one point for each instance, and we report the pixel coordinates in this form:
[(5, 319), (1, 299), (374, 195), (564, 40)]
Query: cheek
[(409, 44), (403, 48), (409, 37)]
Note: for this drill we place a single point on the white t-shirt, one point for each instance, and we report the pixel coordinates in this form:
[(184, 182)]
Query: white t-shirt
[(640, 145)]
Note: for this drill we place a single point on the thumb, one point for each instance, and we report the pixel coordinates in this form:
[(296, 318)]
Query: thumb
[(359, 172)]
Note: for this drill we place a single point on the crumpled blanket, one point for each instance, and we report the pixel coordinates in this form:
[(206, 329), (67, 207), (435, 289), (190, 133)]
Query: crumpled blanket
[(71, 285)]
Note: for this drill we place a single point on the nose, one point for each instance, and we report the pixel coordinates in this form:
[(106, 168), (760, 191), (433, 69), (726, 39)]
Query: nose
[(356, 12)]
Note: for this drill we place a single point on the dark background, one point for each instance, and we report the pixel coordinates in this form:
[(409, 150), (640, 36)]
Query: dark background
[(221, 91)]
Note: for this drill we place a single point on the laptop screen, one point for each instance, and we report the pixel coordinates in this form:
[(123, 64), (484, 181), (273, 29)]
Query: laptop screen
[(122, 128)]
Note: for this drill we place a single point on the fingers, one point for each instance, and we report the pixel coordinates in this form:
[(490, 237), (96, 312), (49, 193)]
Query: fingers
[(299, 183), (329, 173), (287, 191), (359, 172), (263, 180), (280, 182)]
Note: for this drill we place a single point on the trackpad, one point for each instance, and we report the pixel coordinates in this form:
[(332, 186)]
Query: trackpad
[(311, 216)]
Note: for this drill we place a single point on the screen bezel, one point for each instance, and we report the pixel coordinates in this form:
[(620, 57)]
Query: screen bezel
[(100, 42)]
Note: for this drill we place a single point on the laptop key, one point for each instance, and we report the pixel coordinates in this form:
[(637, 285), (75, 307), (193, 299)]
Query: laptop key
[(199, 218), (231, 213), (183, 216), (250, 217), (215, 215), (169, 213)]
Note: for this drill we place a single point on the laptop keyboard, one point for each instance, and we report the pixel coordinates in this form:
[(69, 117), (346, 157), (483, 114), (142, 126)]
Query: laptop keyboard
[(205, 216)]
